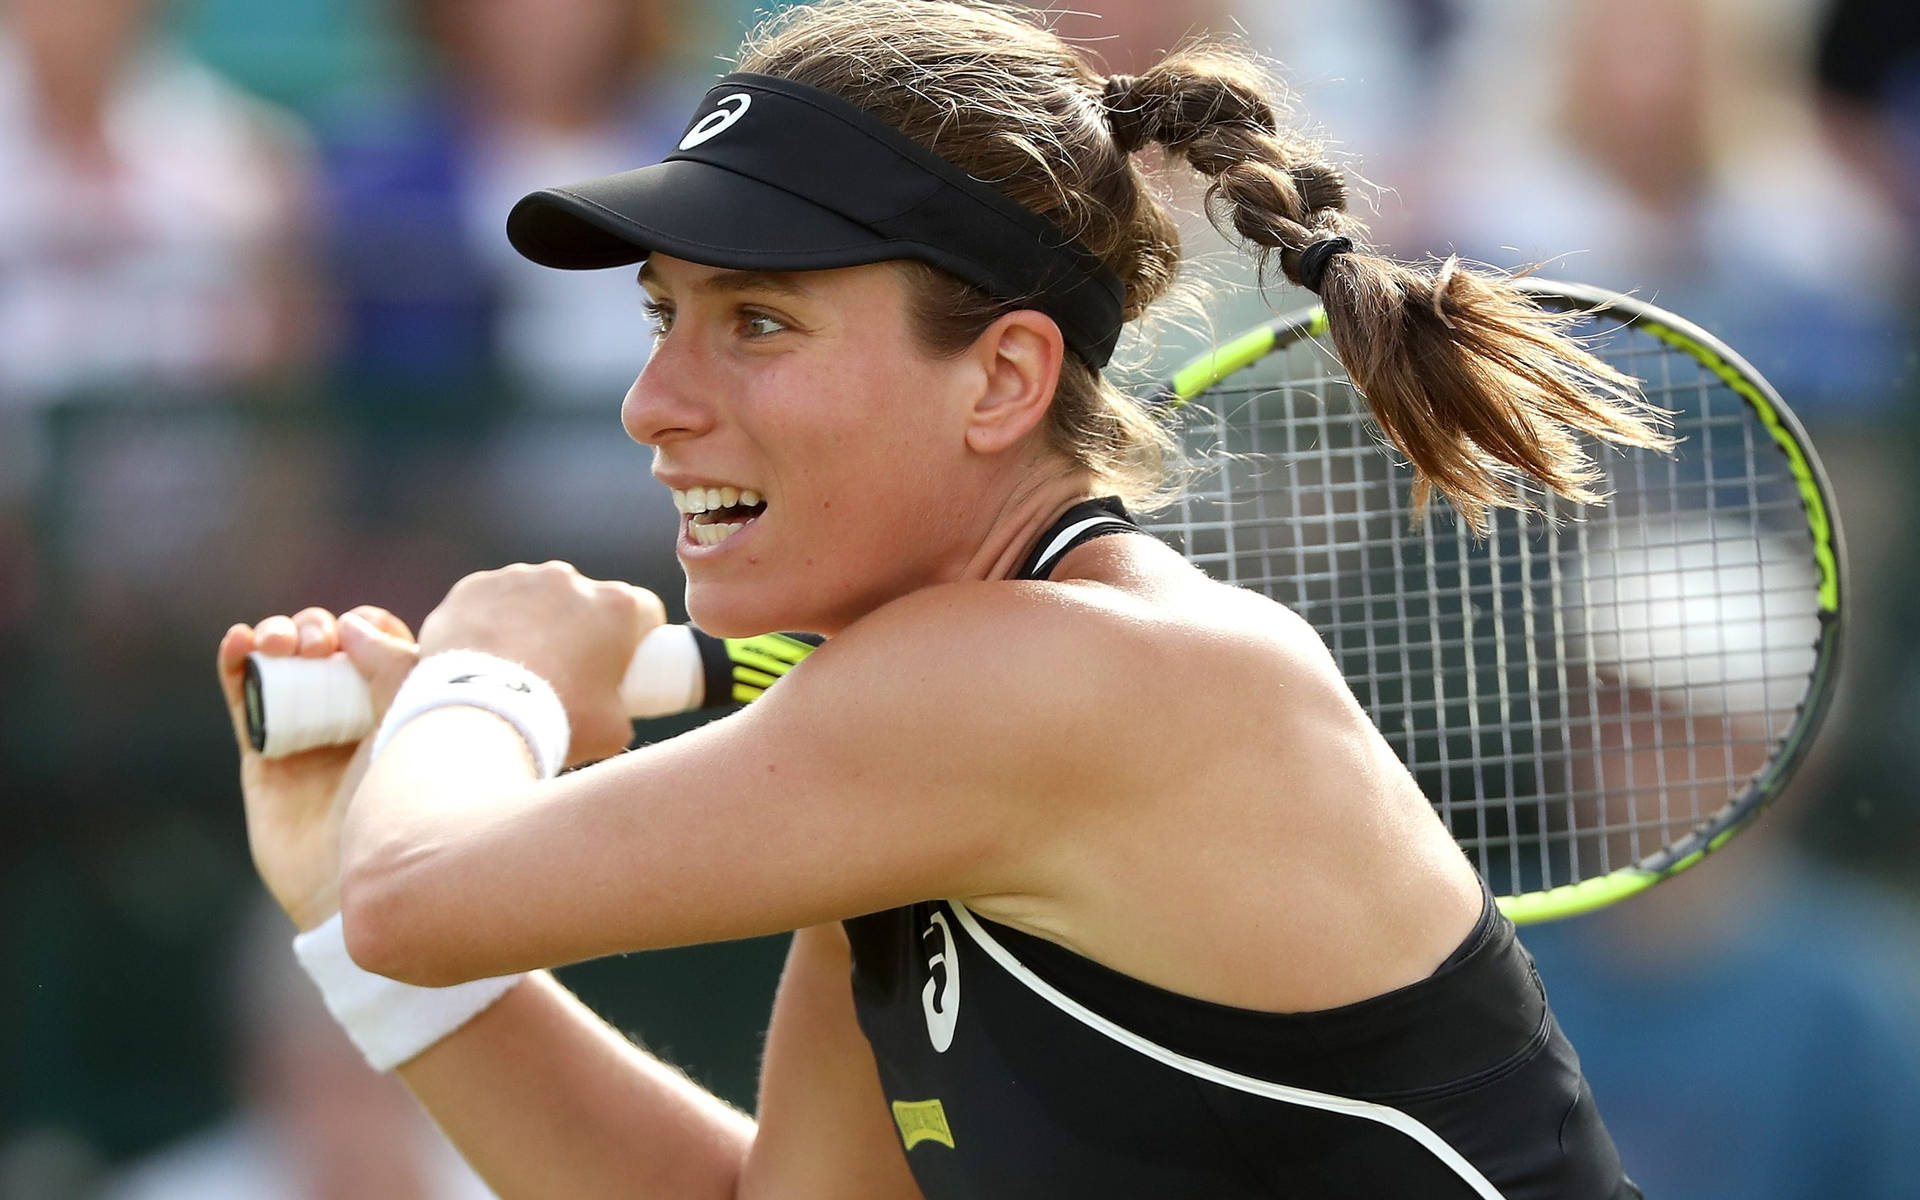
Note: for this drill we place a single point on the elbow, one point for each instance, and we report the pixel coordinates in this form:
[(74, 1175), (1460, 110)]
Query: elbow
[(389, 931)]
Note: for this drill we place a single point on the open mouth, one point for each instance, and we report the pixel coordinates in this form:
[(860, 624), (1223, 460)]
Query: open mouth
[(715, 514)]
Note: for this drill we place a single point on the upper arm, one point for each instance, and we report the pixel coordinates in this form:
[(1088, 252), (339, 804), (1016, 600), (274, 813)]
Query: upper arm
[(941, 751), (824, 1130)]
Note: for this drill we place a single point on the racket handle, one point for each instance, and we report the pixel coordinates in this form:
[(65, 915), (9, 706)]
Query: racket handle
[(295, 704)]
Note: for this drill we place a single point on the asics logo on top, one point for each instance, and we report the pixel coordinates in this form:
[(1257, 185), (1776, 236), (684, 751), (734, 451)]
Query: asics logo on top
[(941, 997), (707, 127)]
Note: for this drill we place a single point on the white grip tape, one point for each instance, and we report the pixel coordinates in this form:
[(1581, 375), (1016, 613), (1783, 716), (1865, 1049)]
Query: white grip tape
[(391, 1022), (309, 702), (665, 676)]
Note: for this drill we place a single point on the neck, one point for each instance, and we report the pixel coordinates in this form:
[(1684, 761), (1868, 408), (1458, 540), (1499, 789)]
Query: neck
[(1020, 521)]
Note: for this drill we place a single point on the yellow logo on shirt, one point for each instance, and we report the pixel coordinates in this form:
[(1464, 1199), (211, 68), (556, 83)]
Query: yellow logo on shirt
[(922, 1121)]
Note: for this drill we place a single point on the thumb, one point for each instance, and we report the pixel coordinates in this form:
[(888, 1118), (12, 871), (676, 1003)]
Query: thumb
[(381, 657)]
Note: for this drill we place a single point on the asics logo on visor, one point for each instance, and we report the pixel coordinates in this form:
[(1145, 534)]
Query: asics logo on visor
[(709, 126)]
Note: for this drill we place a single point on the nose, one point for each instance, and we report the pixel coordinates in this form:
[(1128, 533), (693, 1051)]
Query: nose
[(664, 403)]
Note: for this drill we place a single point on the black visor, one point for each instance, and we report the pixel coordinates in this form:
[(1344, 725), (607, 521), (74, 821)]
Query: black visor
[(773, 175)]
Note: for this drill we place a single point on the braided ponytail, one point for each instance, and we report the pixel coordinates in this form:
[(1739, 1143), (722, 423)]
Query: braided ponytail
[(1468, 378)]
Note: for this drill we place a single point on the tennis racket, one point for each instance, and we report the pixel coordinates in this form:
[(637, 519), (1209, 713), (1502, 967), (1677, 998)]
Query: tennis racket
[(1593, 698)]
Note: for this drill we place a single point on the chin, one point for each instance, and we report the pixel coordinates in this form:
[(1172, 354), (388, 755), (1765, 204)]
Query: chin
[(732, 612)]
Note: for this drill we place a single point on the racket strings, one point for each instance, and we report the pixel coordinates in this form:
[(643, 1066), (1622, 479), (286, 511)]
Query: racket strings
[(1577, 690)]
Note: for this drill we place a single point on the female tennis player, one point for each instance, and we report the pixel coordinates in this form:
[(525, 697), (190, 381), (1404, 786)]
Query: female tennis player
[(1104, 884)]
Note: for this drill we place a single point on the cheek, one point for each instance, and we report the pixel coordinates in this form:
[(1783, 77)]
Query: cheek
[(887, 425)]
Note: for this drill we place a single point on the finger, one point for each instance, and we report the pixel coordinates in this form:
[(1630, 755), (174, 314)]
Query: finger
[(316, 632), (384, 621), (231, 660), (382, 657), (235, 645), (276, 635)]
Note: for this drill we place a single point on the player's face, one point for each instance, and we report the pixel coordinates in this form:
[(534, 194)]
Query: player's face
[(816, 451)]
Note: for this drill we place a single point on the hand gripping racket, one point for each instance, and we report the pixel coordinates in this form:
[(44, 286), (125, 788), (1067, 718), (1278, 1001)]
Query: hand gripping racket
[(295, 704), (1593, 698)]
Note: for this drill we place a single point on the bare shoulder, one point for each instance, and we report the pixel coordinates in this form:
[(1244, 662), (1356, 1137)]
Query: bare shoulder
[(1187, 637), (1005, 665), (1128, 630)]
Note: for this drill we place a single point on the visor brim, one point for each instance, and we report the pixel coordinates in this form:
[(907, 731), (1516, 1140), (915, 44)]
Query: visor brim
[(691, 210)]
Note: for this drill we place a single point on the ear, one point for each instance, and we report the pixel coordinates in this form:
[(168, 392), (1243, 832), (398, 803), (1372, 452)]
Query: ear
[(1019, 356)]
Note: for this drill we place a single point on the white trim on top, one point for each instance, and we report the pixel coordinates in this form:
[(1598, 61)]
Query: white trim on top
[(1365, 1110), (1044, 563)]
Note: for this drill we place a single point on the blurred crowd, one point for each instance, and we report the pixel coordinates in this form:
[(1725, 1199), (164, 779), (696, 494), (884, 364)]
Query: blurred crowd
[(263, 344)]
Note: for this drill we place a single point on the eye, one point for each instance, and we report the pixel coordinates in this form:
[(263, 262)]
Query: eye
[(759, 324), (659, 318)]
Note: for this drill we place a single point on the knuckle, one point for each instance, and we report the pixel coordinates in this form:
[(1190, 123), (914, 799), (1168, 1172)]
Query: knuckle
[(617, 600)]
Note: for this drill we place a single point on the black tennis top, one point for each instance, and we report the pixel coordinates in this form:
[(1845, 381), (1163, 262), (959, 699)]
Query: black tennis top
[(1018, 1069)]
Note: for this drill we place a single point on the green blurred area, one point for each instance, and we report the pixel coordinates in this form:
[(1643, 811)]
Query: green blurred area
[(297, 52), (305, 53)]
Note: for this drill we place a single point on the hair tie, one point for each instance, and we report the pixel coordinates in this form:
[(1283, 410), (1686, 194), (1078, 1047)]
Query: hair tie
[(1314, 260), (1126, 113)]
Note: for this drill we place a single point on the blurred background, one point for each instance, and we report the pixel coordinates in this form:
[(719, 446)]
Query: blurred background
[(263, 345)]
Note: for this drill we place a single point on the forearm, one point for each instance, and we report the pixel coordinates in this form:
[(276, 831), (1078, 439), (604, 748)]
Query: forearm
[(539, 1094), (545, 1099), (448, 779)]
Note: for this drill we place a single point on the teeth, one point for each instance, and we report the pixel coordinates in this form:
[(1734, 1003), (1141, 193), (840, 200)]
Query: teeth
[(706, 499), (711, 535)]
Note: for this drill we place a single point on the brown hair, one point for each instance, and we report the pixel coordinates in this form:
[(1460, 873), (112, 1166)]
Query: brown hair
[(1466, 377)]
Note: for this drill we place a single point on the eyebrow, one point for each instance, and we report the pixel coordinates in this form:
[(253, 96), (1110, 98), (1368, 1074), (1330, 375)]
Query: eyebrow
[(785, 283)]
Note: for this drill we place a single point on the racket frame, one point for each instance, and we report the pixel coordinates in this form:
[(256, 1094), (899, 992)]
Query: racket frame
[(1788, 434)]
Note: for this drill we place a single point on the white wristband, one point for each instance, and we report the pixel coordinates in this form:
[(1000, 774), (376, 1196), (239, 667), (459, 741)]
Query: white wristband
[(478, 680), (390, 1021)]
